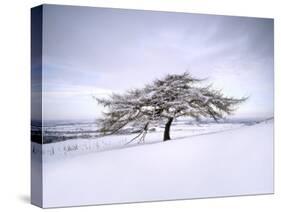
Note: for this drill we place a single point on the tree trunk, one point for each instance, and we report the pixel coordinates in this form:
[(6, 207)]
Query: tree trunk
[(167, 129)]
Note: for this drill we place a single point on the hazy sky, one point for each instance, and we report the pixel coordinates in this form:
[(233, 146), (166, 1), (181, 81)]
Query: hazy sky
[(95, 51)]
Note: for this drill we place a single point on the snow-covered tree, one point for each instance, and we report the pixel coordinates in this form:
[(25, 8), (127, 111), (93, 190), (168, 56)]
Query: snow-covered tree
[(164, 100)]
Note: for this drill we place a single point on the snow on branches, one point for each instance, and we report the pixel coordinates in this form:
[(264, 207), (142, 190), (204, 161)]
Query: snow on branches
[(163, 100)]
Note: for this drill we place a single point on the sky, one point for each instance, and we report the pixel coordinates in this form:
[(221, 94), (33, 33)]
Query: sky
[(96, 51)]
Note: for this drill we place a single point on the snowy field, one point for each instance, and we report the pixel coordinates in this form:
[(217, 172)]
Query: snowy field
[(209, 160), (69, 139)]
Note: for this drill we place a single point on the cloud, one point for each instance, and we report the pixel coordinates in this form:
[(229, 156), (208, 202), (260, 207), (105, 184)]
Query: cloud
[(111, 50)]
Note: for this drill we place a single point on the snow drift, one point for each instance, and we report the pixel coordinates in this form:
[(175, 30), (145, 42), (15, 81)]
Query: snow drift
[(233, 162)]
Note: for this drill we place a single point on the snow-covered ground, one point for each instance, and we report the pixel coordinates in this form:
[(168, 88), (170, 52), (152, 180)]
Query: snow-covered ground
[(81, 138), (218, 160)]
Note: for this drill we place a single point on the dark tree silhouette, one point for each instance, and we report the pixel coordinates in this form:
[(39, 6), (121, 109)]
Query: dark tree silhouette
[(162, 101)]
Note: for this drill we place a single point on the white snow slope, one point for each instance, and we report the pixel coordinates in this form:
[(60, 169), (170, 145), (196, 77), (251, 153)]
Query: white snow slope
[(234, 162)]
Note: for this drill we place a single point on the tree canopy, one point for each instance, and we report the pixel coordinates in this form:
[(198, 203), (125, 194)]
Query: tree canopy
[(163, 100)]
